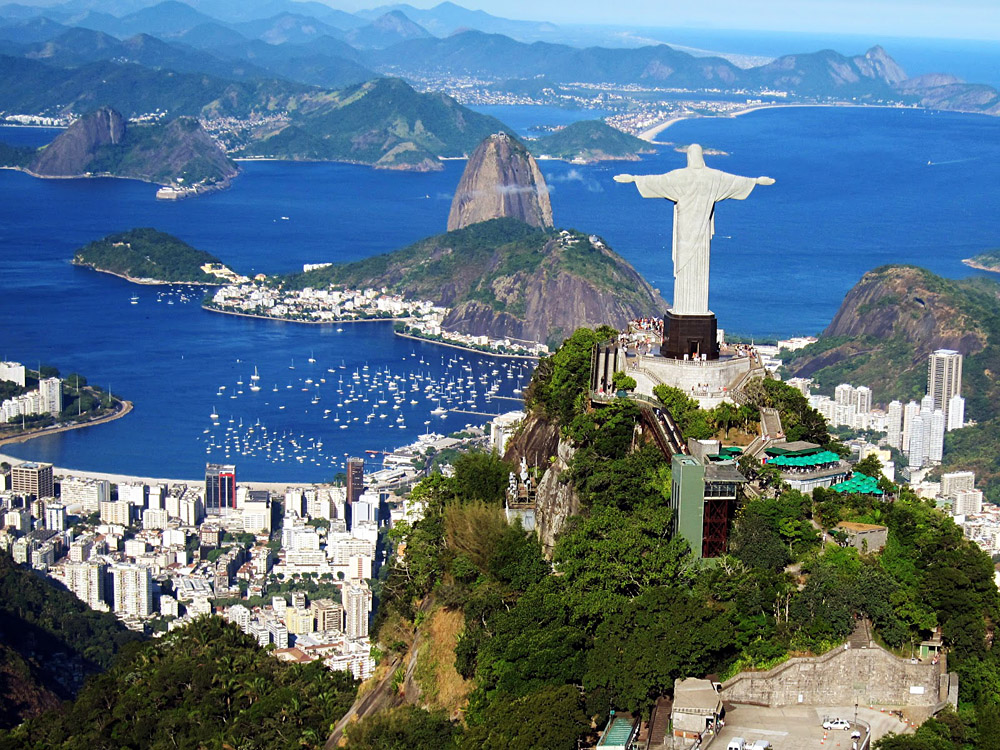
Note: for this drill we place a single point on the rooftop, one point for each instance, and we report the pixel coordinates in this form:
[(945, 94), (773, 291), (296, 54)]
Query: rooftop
[(696, 695), (805, 461), (860, 484), (852, 526), (796, 447)]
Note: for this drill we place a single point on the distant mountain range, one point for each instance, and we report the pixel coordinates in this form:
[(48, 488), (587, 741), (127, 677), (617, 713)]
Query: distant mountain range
[(310, 43), (303, 73)]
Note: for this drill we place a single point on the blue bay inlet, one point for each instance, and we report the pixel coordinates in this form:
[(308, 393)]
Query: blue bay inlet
[(856, 188)]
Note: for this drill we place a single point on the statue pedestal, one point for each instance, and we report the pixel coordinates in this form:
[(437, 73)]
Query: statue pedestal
[(690, 335)]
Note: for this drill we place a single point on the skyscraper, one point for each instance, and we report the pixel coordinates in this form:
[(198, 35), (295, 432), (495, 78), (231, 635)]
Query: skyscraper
[(86, 580), (935, 446), (355, 479), (32, 479), (944, 377), (915, 449), (220, 488)]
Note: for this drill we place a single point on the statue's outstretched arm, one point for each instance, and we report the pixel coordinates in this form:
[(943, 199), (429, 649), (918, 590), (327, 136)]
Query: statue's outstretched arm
[(624, 178), (761, 180)]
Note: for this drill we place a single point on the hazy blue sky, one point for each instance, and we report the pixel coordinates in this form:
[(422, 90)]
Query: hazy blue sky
[(963, 19)]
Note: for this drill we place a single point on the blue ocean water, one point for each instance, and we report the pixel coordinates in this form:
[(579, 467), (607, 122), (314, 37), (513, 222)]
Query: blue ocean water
[(856, 188)]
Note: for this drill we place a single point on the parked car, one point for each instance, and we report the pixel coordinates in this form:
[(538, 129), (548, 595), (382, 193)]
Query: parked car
[(835, 723), (736, 743), (760, 745)]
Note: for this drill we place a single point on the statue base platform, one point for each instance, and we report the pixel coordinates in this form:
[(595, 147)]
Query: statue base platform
[(709, 381), (690, 336)]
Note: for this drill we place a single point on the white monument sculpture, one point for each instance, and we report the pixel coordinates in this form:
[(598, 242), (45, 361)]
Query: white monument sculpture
[(694, 191)]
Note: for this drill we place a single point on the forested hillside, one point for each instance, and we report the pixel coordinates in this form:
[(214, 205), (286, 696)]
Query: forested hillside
[(630, 609)]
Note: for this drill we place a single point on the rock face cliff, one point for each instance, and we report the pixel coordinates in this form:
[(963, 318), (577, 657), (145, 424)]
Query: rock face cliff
[(890, 321), (101, 143), (539, 443), (500, 179), (72, 152)]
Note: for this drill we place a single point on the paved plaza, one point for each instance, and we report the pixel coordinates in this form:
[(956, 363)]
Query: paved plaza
[(801, 727)]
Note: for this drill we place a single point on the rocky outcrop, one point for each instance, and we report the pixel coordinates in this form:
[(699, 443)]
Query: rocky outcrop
[(101, 143), (887, 325), (909, 302), (72, 153), (552, 301), (539, 443), (556, 500), (500, 179)]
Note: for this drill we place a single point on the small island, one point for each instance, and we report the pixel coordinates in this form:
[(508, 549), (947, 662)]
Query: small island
[(988, 261), (589, 141), (148, 256)]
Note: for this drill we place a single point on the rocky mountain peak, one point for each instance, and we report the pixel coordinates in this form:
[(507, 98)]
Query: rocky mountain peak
[(877, 63), (501, 179), (74, 149)]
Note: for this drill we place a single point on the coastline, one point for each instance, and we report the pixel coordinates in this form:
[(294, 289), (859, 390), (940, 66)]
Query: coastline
[(651, 133), (971, 263), (26, 436), (306, 322), (105, 175), (144, 282), (465, 348)]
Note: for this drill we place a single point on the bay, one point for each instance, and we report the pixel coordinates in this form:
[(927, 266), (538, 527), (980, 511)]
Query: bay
[(856, 188)]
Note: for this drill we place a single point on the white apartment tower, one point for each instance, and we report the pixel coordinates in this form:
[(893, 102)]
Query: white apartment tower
[(86, 580), (357, 606), (954, 481), (910, 412), (944, 377), (895, 424), (132, 590), (50, 389), (915, 448), (956, 413)]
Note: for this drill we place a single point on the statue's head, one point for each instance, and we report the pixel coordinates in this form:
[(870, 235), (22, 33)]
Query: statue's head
[(696, 160)]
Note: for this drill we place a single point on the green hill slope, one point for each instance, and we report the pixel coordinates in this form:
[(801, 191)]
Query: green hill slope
[(49, 642), (590, 140), (506, 278), (383, 122), (204, 685)]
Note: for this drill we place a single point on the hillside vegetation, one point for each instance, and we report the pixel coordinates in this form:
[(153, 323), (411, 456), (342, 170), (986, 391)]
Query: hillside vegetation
[(147, 254), (49, 642), (204, 685)]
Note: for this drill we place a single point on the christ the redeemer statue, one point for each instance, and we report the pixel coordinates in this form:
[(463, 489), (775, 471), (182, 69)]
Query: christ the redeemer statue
[(694, 191)]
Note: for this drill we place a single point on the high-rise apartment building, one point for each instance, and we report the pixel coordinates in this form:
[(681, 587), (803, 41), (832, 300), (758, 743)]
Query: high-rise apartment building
[(220, 488), (357, 607), (132, 590), (956, 413), (50, 390), (894, 425), (355, 479), (32, 479), (86, 580), (944, 377)]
